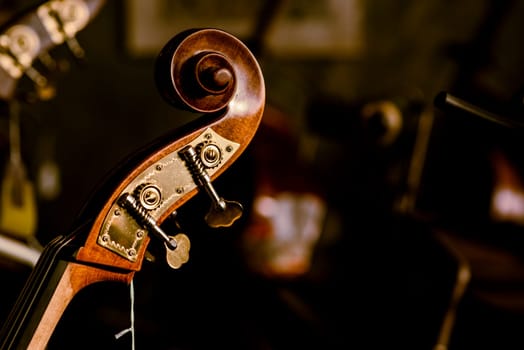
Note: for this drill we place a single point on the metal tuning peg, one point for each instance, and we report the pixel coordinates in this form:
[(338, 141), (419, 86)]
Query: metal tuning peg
[(222, 212), (180, 255), (18, 47), (64, 20), (74, 47), (177, 247)]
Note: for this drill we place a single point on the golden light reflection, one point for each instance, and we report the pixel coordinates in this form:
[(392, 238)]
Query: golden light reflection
[(285, 229), (507, 198), (508, 205)]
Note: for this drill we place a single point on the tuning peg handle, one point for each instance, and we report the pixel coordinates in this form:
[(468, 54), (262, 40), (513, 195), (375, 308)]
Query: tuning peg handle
[(222, 213), (180, 255), (225, 214)]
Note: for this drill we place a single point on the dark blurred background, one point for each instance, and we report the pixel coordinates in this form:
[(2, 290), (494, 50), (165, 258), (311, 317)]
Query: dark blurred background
[(391, 231)]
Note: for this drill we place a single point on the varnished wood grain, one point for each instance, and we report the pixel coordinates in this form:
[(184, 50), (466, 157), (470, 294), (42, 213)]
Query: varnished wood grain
[(74, 279)]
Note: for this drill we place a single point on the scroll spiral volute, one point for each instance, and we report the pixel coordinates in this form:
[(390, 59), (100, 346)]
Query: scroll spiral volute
[(206, 70)]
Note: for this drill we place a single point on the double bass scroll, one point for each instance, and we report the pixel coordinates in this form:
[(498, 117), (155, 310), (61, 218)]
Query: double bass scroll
[(207, 71)]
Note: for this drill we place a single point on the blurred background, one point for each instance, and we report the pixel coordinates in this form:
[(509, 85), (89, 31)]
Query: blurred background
[(374, 217)]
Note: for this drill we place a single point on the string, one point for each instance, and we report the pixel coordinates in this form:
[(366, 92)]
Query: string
[(132, 316)]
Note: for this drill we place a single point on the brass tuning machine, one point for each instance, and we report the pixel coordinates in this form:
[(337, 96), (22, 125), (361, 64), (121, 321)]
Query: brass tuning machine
[(177, 247), (158, 188), (222, 212)]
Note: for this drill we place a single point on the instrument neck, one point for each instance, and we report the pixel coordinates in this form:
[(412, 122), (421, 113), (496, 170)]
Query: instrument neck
[(35, 297), (52, 285)]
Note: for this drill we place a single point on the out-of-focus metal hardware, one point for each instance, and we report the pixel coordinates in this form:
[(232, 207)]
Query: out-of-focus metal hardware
[(19, 46), (63, 18)]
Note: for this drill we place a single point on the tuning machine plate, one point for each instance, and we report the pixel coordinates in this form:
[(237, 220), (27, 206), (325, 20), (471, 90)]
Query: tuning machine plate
[(171, 180)]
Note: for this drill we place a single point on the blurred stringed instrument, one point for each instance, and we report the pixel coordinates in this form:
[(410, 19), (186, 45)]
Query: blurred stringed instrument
[(205, 71), (18, 208), (26, 38)]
